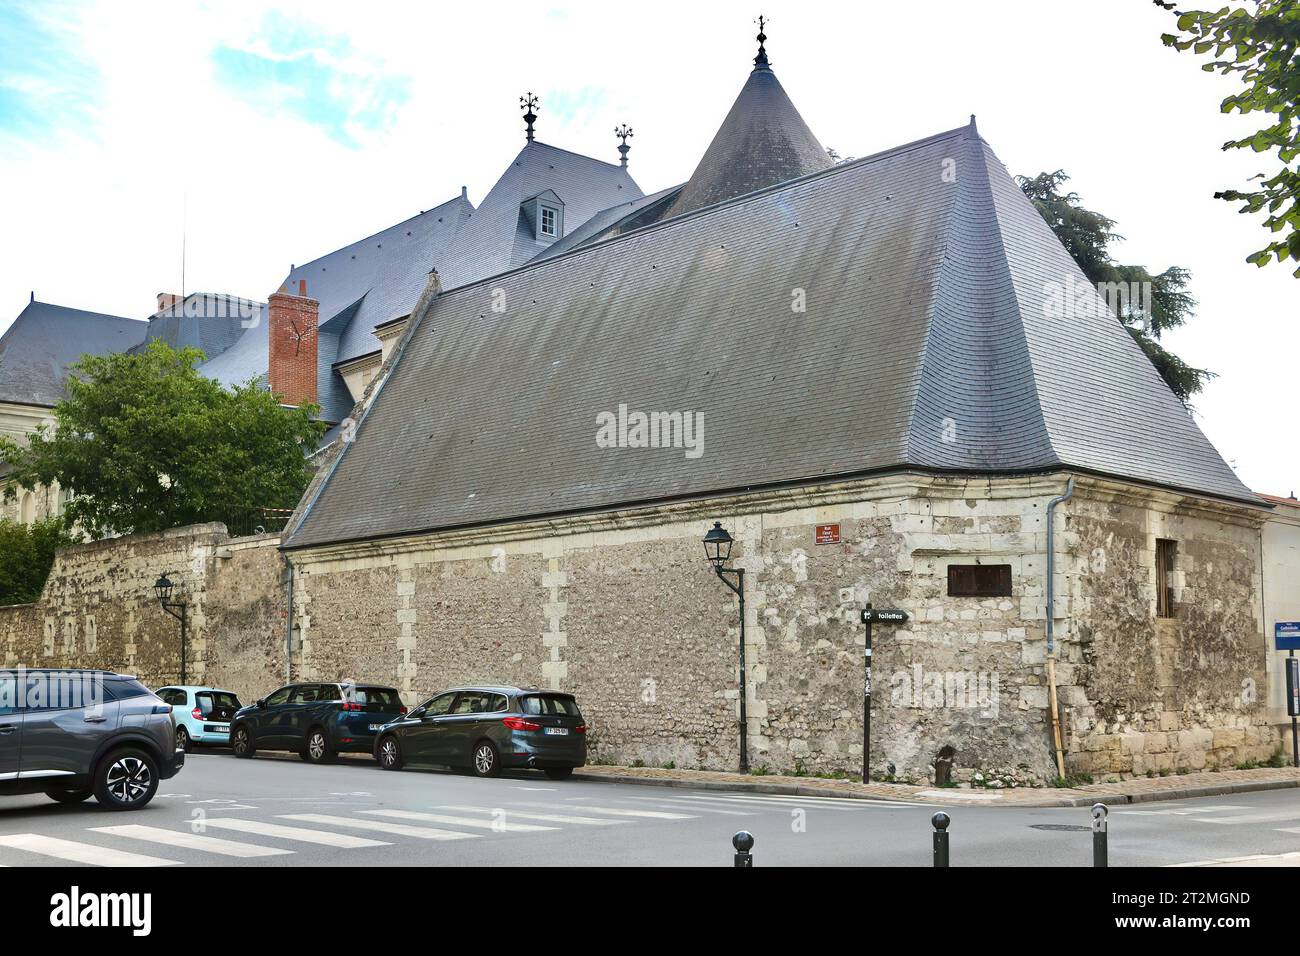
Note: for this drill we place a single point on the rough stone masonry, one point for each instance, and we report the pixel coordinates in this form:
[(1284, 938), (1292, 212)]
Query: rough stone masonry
[(623, 610)]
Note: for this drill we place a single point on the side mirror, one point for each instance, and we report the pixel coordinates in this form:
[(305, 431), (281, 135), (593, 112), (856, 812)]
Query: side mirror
[(261, 704)]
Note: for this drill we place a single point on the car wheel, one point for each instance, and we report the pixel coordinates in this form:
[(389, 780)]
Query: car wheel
[(183, 741), (70, 796), (241, 742), (486, 761), (126, 780), (316, 748), (559, 773), (390, 753)]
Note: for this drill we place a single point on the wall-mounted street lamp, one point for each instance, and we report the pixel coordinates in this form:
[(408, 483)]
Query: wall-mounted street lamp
[(163, 587), (717, 548)]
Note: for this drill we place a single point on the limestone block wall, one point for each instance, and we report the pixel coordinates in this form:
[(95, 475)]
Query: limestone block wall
[(1151, 695), (99, 609)]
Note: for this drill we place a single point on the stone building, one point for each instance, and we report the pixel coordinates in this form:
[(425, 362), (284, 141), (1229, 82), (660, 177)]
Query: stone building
[(891, 383)]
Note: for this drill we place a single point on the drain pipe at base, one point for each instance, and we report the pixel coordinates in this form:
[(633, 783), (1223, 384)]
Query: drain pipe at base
[(1051, 615)]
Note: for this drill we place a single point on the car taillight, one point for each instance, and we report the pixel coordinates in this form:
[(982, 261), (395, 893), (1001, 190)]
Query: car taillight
[(348, 706), (402, 711), (580, 729), (519, 723), (196, 714)]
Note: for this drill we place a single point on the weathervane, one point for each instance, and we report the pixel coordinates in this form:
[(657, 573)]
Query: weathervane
[(529, 103), (761, 59), (624, 133)]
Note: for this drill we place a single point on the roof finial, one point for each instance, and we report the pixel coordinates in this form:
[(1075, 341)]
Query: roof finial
[(624, 133), (760, 61), (528, 104)]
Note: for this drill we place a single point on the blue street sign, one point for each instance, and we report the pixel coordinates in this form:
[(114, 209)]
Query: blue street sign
[(1286, 635)]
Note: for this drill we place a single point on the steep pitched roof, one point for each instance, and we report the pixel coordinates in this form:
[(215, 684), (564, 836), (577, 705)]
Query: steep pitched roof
[(45, 339), (498, 238), (763, 141), (209, 321), (931, 340)]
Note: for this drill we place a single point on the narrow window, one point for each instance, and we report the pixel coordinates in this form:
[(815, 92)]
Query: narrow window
[(979, 580), (548, 221), (1166, 555)]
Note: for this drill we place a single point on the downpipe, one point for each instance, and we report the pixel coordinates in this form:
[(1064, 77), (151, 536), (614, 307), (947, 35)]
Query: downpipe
[(1051, 615)]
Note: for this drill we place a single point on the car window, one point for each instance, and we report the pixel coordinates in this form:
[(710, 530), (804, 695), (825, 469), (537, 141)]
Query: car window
[(279, 697), (377, 695), (8, 694), (328, 692), (127, 689), (473, 702), (550, 705), (439, 705), (304, 694), (177, 698), (210, 700), (498, 702)]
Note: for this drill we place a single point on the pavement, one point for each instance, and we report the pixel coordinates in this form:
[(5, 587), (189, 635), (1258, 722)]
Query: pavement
[(1137, 790), (271, 811)]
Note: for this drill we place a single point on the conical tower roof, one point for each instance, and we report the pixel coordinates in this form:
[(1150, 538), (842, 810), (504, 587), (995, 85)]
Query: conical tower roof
[(763, 141)]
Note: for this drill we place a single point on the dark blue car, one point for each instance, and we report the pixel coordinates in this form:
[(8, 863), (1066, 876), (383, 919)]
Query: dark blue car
[(317, 721)]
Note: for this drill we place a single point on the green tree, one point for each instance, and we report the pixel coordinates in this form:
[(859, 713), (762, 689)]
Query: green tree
[(144, 442), (1261, 49), (1087, 236), (26, 555)]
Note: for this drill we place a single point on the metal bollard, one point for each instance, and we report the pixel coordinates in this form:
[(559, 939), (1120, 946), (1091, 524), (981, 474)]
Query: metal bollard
[(940, 821), (743, 841), (1099, 850)]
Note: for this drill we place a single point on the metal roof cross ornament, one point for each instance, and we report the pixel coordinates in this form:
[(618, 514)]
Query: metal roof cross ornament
[(529, 103), (623, 132), (761, 59)]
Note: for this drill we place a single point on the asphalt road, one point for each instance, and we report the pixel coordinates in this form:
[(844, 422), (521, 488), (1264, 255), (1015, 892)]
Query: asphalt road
[(281, 812)]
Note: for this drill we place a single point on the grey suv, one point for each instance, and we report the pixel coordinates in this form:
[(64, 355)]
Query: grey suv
[(76, 734)]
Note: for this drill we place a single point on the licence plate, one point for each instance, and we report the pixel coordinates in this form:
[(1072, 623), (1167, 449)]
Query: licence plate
[(216, 728), (375, 726), (557, 731)]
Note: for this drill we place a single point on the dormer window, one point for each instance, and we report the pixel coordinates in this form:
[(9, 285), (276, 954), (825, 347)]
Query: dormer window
[(550, 222), (543, 215)]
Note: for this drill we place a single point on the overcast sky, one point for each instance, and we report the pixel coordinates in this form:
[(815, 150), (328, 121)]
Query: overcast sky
[(272, 133)]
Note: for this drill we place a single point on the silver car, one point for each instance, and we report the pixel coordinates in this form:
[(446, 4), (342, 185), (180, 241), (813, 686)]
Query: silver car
[(75, 734)]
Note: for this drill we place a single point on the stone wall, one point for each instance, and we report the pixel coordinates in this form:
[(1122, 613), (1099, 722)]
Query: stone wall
[(1156, 696), (99, 609), (623, 610)]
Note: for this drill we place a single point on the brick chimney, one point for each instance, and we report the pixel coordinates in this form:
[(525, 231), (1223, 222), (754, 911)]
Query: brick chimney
[(291, 334)]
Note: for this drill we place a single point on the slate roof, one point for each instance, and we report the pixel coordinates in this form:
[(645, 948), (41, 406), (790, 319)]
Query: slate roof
[(36, 350), (762, 141), (379, 278), (932, 339), (208, 321)]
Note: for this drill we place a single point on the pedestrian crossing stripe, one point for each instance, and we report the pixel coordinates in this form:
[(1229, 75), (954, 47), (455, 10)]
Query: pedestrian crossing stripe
[(620, 812), (543, 817), (191, 841), (400, 829), (71, 852), (341, 841), (498, 825), (696, 807)]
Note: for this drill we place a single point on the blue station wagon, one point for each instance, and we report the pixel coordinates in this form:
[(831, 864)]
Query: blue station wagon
[(315, 720)]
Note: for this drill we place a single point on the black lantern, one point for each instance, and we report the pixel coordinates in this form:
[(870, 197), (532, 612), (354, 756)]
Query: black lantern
[(717, 545), (163, 588), (717, 548)]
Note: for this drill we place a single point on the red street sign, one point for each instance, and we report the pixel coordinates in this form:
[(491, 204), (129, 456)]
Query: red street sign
[(828, 534)]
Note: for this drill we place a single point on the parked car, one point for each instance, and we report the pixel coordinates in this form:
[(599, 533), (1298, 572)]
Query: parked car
[(202, 714), (484, 729), (318, 721), (77, 734)]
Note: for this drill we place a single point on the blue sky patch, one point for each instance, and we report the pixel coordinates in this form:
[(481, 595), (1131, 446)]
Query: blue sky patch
[(46, 88), (315, 76)]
